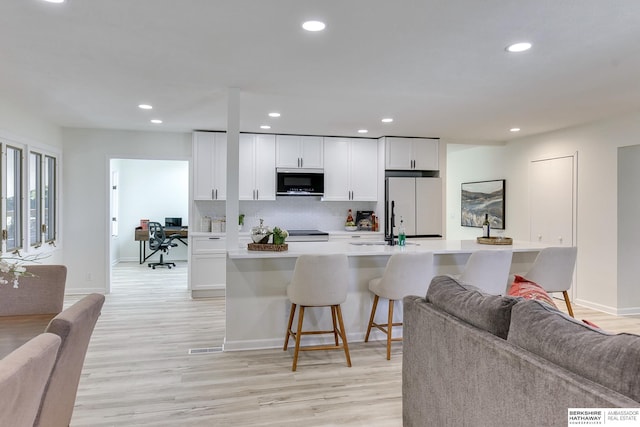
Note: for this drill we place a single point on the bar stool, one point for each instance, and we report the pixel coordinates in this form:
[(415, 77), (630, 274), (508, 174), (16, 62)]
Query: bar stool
[(318, 281), (553, 270), (405, 274), (488, 270)]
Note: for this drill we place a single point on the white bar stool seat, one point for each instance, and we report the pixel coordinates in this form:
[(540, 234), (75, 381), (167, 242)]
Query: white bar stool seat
[(488, 270), (405, 274), (553, 270), (318, 281)]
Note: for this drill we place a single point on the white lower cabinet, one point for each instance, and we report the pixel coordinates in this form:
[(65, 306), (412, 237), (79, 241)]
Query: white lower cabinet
[(207, 266)]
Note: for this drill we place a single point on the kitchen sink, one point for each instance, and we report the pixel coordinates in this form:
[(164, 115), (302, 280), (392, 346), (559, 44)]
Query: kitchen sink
[(379, 243)]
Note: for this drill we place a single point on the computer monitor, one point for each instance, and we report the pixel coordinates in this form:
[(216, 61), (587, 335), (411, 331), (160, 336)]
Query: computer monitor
[(173, 222)]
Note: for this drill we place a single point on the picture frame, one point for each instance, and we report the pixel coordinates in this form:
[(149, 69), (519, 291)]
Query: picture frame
[(483, 197)]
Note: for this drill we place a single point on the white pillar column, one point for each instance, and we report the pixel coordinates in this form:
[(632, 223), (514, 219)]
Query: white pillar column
[(233, 160)]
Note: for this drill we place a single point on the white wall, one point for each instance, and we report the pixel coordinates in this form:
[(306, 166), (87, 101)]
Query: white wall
[(597, 147), (19, 126), (87, 154), (150, 189)]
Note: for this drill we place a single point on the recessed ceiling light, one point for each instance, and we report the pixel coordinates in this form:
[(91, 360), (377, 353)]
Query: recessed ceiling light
[(265, 127), (313, 26), (387, 120), (274, 114), (519, 47), (514, 130), (156, 121), (145, 106), (362, 131), (54, 1)]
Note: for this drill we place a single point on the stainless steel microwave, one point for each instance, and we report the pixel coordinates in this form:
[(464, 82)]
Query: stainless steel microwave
[(300, 182)]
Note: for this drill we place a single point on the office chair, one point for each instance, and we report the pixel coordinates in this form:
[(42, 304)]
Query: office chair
[(158, 241)]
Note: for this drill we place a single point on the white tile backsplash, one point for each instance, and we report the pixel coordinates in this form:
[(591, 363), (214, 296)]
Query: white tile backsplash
[(291, 212)]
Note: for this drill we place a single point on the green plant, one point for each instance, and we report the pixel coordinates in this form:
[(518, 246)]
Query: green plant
[(241, 219), (279, 235)]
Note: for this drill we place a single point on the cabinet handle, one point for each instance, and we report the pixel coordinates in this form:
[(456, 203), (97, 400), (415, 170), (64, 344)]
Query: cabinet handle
[(216, 194), (213, 194), (214, 238), (257, 194), (301, 162)]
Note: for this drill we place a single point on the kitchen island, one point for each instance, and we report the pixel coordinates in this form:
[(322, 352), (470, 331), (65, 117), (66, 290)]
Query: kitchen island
[(257, 306)]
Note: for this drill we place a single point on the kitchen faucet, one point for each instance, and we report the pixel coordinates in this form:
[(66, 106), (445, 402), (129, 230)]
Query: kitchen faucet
[(393, 222)]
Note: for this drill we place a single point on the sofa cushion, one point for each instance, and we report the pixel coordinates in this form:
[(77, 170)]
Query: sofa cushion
[(607, 359), (491, 313), (527, 289)]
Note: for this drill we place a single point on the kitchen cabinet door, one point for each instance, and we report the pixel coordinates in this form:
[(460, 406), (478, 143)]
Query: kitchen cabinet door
[(363, 170), (425, 154), (312, 152), (352, 172), (265, 167), (257, 180), (210, 166), (207, 266), (246, 178), (288, 151), (296, 151), (411, 153), (336, 171), (399, 154)]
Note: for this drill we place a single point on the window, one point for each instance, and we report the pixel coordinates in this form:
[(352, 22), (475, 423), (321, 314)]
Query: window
[(13, 212), (35, 199), (50, 186)]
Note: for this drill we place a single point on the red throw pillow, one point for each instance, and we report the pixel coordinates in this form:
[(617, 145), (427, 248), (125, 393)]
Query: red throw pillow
[(524, 288)]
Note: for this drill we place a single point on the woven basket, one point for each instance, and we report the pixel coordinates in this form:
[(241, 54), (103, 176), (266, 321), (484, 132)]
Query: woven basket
[(267, 247), (495, 240)]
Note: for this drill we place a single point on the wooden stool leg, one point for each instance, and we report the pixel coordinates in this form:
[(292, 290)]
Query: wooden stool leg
[(374, 307), (298, 336), (343, 334), (566, 300), (389, 329), (335, 327), (286, 338)]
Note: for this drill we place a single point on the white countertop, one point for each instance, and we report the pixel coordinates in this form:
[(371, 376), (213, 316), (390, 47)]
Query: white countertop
[(414, 245)]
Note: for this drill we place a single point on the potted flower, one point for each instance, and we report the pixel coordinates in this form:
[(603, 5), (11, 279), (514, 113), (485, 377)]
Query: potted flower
[(279, 235)]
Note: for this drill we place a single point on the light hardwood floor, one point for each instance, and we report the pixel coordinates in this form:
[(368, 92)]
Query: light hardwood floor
[(138, 370)]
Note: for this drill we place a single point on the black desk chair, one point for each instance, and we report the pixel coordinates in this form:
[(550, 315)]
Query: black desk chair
[(158, 241)]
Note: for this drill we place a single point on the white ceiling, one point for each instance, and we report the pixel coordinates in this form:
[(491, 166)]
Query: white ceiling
[(437, 67)]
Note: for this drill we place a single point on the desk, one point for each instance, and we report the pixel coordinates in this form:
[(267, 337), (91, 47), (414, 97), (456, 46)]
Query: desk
[(142, 236), (17, 330)]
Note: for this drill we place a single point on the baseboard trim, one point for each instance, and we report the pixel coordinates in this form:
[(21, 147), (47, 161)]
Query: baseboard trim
[(614, 311)]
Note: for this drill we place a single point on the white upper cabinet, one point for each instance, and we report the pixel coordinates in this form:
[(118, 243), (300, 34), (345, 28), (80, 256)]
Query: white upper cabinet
[(209, 166), (351, 174), (257, 179), (296, 151), (411, 153)]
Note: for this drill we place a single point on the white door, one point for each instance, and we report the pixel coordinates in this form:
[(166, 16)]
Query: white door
[(552, 201), (220, 166), (203, 159), (398, 153)]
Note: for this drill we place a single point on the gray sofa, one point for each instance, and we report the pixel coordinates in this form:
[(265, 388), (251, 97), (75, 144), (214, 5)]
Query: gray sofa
[(471, 359)]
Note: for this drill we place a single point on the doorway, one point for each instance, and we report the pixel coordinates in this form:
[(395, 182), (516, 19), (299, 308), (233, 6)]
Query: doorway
[(152, 190)]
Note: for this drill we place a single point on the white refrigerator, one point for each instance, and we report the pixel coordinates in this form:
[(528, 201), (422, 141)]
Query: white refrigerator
[(418, 201)]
